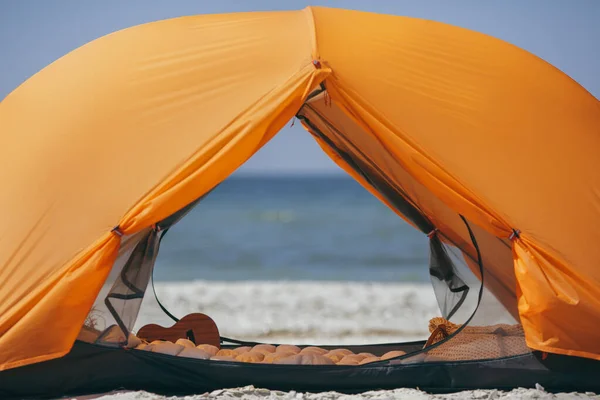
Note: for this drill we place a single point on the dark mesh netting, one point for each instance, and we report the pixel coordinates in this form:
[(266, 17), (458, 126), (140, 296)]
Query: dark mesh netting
[(456, 288), (100, 320), (117, 306), (125, 297), (489, 332), (450, 288)]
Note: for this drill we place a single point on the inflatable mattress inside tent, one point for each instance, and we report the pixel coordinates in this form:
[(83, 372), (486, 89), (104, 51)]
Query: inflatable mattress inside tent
[(487, 150)]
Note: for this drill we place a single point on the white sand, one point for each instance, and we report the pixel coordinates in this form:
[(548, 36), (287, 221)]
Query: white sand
[(251, 393), (310, 313)]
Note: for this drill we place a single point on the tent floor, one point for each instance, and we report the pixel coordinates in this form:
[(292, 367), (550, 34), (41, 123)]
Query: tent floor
[(89, 369)]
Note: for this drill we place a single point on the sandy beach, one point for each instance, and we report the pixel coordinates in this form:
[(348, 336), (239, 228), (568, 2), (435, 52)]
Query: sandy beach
[(252, 393), (310, 313)]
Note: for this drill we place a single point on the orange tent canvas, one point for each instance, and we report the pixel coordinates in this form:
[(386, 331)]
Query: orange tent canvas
[(130, 128)]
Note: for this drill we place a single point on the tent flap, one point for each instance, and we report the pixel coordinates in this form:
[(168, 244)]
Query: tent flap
[(488, 128), (125, 131), (47, 323)]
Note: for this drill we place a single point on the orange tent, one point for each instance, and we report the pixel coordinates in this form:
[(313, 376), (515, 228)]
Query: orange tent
[(132, 127)]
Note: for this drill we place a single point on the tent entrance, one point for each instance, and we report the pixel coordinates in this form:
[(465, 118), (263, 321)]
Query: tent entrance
[(460, 253)]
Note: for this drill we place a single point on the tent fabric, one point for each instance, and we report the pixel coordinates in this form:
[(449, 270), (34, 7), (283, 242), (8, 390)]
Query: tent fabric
[(484, 126), (125, 131), (130, 128)]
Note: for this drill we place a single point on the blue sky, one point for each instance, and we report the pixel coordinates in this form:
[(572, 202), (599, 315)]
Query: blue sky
[(34, 33)]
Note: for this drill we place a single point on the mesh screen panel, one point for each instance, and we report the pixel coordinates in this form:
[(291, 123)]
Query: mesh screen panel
[(126, 295), (117, 305), (456, 305), (490, 332), (100, 319)]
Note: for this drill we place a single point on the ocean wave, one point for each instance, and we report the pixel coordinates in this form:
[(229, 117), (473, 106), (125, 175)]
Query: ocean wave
[(316, 311)]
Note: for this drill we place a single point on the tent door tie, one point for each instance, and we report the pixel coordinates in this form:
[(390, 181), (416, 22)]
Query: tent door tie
[(514, 235), (117, 231), (432, 233)]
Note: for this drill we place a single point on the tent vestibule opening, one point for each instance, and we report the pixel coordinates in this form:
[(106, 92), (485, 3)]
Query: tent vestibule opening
[(478, 315)]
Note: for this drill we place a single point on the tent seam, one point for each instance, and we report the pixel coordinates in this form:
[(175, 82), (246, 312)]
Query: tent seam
[(313, 32)]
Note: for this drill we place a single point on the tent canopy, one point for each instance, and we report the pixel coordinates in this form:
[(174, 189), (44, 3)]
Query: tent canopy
[(130, 128)]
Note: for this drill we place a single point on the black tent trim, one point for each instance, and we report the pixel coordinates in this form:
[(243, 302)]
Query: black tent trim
[(92, 368)]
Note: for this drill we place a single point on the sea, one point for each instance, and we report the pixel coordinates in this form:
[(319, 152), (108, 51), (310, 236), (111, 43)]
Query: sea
[(308, 228)]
